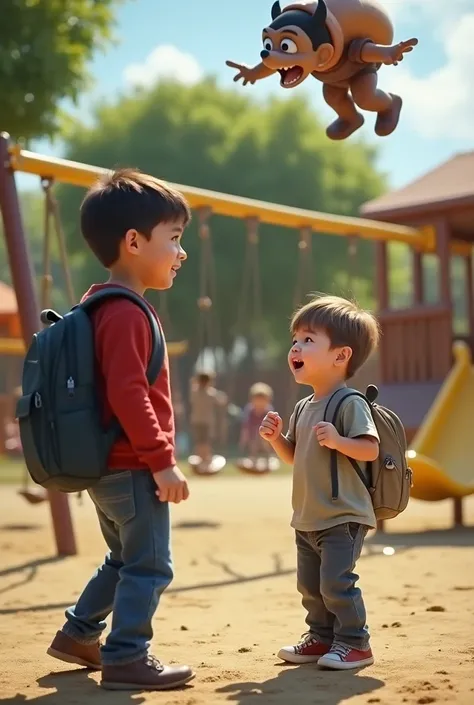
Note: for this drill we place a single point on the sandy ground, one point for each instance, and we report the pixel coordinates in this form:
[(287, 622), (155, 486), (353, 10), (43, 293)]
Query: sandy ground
[(233, 604)]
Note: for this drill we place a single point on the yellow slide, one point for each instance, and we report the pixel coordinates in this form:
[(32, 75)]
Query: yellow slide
[(441, 452)]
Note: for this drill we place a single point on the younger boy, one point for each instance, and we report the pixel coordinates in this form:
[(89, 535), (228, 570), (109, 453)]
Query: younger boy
[(133, 224), (332, 338)]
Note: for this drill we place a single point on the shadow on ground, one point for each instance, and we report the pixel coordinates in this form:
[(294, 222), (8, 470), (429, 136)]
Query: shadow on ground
[(305, 685), (462, 536), (73, 688)]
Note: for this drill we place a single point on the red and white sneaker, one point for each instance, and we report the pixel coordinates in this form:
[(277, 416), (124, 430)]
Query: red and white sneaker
[(308, 650), (341, 658)]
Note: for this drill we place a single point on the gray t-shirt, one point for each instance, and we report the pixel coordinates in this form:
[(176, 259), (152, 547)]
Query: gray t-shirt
[(313, 506)]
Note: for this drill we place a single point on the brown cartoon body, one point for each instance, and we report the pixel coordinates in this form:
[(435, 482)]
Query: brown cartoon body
[(358, 19), (351, 24), (342, 44)]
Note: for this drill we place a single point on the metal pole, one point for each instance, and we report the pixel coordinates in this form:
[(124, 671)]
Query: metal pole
[(28, 309)]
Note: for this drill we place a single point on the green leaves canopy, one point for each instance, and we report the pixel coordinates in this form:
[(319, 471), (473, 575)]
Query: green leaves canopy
[(44, 49)]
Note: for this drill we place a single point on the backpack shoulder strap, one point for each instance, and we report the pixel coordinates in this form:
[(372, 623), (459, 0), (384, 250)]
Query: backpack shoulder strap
[(157, 341), (300, 405), (331, 414)]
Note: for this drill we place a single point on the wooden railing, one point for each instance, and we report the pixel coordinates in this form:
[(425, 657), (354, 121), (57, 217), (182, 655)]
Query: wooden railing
[(416, 344)]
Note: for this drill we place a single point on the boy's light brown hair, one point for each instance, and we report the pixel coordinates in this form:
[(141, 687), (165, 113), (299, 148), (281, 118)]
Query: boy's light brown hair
[(127, 199), (344, 322), (260, 389)]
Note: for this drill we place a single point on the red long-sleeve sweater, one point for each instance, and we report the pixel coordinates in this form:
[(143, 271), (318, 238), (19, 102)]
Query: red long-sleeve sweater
[(122, 339)]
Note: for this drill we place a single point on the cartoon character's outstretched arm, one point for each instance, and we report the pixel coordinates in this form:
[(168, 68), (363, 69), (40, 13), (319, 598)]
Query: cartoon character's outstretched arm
[(390, 55), (250, 74)]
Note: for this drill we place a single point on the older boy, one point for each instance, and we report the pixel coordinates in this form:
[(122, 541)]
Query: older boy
[(133, 224)]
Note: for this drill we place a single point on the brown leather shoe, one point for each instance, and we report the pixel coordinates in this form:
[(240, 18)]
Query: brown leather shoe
[(146, 674), (66, 649)]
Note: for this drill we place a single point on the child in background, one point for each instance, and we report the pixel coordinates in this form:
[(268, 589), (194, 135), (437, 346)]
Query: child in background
[(13, 447), (257, 452), (205, 401), (12, 431)]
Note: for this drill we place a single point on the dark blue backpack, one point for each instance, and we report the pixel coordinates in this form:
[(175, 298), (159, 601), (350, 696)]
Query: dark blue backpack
[(65, 445)]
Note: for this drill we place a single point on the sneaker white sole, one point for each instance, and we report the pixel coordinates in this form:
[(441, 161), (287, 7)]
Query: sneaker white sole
[(68, 658), (290, 657), (135, 686), (344, 666)]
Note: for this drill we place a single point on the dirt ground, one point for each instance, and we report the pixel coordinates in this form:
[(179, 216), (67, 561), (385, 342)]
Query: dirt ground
[(233, 604)]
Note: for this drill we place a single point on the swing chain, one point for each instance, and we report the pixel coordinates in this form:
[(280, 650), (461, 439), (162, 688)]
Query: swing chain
[(352, 251), (52, 213), (204, 231), (47, 279), (207, 331), (305, 260), (250, 279), (304, 276), (252, 224)]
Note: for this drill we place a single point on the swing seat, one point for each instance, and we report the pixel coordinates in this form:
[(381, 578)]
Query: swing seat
[(200, 467), (34, 496), (259, 466)]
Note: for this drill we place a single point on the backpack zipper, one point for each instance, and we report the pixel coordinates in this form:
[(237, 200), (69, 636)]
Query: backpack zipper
[(39, 401), (392, 426), (71, 381)]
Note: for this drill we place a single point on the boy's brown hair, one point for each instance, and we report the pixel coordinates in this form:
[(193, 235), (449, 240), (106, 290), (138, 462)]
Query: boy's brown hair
[(344, 322), (124, 200), (203, 379)]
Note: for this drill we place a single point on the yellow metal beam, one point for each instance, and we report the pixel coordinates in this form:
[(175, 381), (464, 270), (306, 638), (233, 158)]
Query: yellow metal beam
[(16, 346), (84, 175)]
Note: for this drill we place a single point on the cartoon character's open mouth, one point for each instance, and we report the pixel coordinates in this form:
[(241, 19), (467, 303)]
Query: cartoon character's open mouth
[(290, 76)]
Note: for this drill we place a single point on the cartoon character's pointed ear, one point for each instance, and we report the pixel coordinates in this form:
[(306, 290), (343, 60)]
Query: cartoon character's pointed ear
[(320, 14), (276, 10)]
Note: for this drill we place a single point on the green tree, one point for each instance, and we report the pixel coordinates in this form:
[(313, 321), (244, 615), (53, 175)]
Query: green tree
[(218, 139), (44, 50)]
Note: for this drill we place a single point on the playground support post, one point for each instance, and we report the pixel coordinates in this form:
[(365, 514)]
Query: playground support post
[(28, 309)]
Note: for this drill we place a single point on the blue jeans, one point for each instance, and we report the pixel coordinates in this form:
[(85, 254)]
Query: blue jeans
[(138, 568), (327, 583)]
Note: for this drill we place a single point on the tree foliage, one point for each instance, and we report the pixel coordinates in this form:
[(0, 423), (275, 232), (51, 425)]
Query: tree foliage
[(44, 49), (218, 139)]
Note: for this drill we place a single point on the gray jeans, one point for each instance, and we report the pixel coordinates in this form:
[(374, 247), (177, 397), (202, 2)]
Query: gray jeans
[(326, 581)]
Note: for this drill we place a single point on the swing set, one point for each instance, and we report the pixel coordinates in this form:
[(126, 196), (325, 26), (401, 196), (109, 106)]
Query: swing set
[(206, 204), (249, 313)]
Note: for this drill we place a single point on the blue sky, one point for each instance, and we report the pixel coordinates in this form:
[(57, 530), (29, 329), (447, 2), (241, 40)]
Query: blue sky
[(188, 39)]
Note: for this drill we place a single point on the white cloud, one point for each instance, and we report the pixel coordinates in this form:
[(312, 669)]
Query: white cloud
[(433, 9), (441, 104), (165, 61)]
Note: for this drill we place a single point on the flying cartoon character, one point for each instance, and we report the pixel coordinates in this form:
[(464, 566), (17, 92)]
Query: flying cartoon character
[(341, 43)]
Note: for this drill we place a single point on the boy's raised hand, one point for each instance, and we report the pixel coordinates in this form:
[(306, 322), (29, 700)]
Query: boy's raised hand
[(327, 435), (271, 426), (171, 485)]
